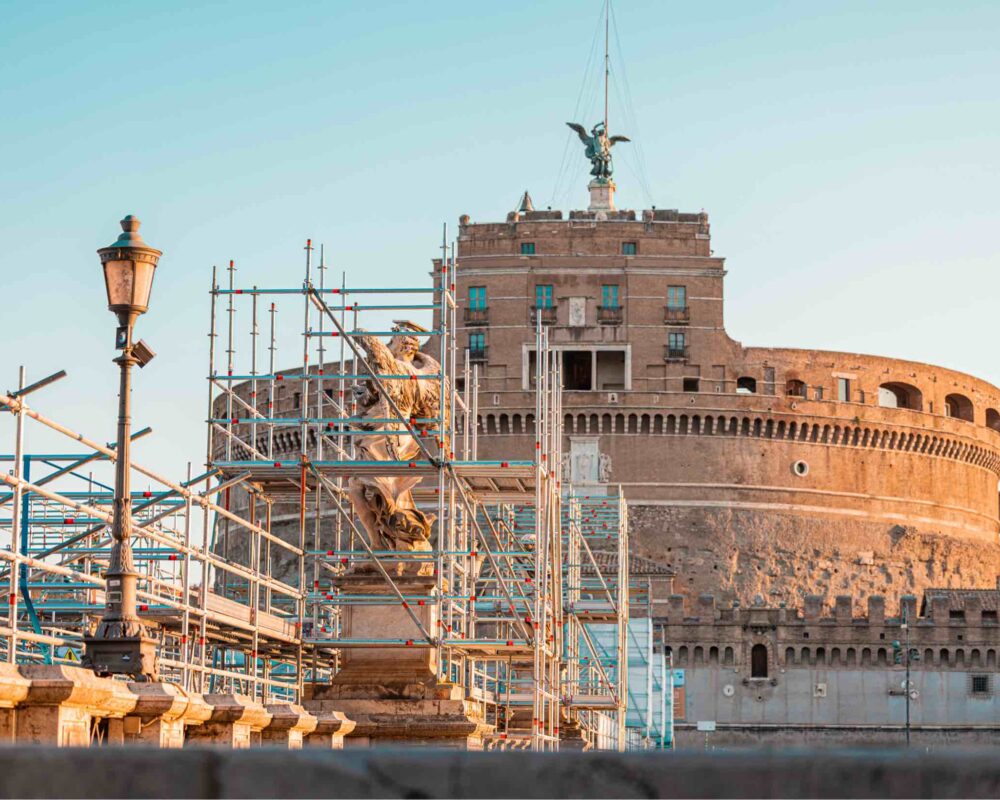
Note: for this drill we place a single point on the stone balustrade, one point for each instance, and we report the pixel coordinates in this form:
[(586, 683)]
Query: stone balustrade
[(70, 706)]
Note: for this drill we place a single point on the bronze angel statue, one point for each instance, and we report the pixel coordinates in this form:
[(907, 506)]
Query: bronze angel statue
[(599, 146), (385, 503)]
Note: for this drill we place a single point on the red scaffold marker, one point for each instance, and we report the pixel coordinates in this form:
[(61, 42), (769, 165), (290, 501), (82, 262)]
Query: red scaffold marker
[(279, 377), (69, 521), (421, 603), (510, 643), (343, 560), (412, 464), (409, 642), (277, 464), (144, 607)]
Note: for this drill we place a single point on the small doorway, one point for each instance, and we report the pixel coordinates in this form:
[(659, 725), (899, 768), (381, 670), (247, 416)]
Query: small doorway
[(758, 661)]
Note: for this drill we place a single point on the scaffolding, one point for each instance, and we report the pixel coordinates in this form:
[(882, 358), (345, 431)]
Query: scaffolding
[(242, 564), (55, 521)]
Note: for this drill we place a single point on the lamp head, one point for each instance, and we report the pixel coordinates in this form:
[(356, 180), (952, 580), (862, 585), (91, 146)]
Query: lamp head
[(129, 264)]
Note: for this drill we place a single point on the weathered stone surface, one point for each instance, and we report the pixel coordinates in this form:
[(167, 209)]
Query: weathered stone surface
[(235, 721), (164, 710), (289, 723), (63, 701), (331, 728), (50, 772)]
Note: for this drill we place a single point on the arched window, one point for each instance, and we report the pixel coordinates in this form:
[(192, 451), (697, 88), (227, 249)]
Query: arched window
[(993, 419), (795, 388), (900, 395), (746, 385), (727, 658), (758, 661), (958, 406)]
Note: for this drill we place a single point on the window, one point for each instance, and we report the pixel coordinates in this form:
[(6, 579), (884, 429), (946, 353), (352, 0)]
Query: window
[(899, 395), (795, 388), (609, 295), (746, 385), (543, 295), (843, 390), (676, 345), (298, 400), (629, 248), (956, 614), (818, 391), (477, 298), (958, 406), (477, 342), (758, 661), (527, 248), (690, 384), (989, 617), (677, 297), (980, 684)]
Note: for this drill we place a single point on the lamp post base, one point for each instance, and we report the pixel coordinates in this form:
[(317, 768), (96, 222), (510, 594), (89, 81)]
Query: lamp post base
[(125, 655)]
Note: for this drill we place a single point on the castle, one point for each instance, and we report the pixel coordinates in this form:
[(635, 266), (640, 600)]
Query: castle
[(749, 471)]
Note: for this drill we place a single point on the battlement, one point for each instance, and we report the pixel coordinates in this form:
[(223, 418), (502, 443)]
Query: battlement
[(947, 608)]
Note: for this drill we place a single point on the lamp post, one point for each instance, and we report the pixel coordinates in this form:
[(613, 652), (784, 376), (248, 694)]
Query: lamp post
[(122, 644)]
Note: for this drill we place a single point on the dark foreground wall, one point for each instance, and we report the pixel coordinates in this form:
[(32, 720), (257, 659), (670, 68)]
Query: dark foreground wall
[(133, 772)]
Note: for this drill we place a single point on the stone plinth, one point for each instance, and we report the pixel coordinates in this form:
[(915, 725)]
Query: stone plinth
[(289, 723), (393, 694), (449, 723), (571, 736), (163, 710), (331, 728), (602, 194), (62, 703), (13, 689), (399, 671), (236, 721)]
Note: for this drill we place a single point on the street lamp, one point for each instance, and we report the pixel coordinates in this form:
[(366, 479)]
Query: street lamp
[(121, 644)]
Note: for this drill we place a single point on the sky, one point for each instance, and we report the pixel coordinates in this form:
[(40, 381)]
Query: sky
[(846, 153)]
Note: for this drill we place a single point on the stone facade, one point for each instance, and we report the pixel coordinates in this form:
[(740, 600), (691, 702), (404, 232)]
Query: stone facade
[(748, 471), (829, 676)]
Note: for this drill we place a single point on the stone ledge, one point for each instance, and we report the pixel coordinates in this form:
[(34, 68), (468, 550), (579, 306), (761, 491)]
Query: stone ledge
[(51, 772)]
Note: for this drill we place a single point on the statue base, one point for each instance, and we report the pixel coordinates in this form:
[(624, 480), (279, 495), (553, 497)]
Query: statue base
[(394, 693), (602, 195)]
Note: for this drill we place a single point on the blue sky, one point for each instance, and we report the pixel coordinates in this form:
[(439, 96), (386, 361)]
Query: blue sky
[(847, 154)]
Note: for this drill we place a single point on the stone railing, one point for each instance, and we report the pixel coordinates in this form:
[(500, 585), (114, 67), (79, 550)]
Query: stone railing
[(70, 706)]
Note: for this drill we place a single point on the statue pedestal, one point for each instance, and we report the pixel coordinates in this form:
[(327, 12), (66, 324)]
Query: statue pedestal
[(602, 195), (394, 694)]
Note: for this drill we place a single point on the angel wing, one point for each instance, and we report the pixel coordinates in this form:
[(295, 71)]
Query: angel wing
[(613, 140), (580, 131)]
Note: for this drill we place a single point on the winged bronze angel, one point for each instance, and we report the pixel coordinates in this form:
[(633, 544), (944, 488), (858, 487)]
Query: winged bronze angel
[(598, 145)]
